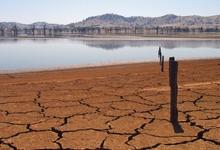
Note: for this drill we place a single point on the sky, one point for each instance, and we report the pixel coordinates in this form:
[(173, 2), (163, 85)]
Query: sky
[(68, 11)]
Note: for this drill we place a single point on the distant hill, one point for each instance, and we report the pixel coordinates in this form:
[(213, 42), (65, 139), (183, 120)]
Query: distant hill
[(115, 24), (113, 20)]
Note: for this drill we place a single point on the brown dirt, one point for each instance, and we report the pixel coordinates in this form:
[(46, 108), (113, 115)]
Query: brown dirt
[(111, 107)]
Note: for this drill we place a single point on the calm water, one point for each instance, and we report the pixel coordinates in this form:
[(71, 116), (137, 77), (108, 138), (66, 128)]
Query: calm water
[(38, 54)]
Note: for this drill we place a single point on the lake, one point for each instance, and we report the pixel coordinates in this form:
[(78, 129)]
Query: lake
[(41, 54)]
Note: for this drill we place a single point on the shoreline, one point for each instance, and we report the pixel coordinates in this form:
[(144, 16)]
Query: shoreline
[(96, 66), (106, 71)]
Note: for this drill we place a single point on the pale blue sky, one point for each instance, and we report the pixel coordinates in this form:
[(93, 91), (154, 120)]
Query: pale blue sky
[(67, 11)]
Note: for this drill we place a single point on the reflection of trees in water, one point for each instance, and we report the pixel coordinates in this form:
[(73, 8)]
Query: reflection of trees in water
[(169, 44), (40, 40), (108, 44), (8, 40), (116, 44), (37, 40)]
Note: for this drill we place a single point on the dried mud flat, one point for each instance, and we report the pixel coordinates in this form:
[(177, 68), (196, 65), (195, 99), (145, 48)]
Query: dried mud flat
[(115, 107)]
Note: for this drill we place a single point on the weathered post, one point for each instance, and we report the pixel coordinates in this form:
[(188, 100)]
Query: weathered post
[(162, 64), (159, 54), (173, 69)]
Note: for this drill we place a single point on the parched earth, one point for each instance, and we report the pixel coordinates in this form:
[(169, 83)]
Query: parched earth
[(115, 107)]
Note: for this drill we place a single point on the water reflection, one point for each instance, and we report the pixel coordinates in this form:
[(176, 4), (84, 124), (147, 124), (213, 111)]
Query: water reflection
[(40, 53), (15, 40), (117, 44), (168, 44)]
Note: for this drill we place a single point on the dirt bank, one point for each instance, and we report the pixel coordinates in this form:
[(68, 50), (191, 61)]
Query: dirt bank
[(111, 107)]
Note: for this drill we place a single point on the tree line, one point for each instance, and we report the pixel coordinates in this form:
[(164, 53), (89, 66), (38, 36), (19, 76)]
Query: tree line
[(15, 31)]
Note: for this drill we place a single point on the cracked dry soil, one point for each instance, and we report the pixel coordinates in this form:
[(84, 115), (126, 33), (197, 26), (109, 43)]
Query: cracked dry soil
[(114, 107)]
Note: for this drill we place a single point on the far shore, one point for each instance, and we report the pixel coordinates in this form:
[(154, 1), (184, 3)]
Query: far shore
[(207, 36)]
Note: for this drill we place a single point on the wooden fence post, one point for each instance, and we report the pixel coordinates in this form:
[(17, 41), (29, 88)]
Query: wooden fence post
[(160, 54), (162, 64), (173, 69)]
